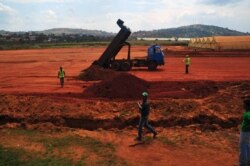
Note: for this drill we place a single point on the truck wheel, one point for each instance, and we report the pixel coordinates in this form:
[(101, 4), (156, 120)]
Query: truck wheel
[(152, 65), (115, 66), (125, 66)]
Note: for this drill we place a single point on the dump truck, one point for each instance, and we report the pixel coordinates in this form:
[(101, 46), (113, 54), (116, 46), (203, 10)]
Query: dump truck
[(154, 58)]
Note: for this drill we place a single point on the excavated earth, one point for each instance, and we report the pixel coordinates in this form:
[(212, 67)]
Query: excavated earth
[(221, 109), (201, 111)]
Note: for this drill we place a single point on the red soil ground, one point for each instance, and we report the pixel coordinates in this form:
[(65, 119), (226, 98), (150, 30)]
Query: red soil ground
[(201, 106), (35, 71)]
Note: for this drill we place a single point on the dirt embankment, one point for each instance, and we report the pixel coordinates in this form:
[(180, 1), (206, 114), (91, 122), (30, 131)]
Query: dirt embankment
[(221, 109)]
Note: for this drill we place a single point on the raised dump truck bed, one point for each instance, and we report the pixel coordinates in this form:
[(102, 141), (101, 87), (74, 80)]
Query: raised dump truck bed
[(154, 57), (115, 46)]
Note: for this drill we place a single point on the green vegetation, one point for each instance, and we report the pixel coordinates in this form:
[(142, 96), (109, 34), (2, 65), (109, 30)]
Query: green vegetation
[(15, 156), (16, 132), (104, 151), (159, 42), (18, 46), (196, 30), (58, 150), (9, 156)]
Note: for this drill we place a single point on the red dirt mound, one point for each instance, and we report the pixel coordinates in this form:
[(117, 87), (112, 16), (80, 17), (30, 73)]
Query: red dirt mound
[(94, 73), (123, 85)]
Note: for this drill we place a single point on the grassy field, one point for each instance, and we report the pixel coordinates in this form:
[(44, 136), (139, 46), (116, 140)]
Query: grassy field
[(17, 46), (54, 149)]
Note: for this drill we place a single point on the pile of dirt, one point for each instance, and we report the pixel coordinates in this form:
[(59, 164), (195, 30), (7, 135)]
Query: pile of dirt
[(122, 85), (95, 73)]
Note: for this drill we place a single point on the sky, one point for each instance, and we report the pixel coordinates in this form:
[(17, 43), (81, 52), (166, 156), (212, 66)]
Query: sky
[(36, 15)]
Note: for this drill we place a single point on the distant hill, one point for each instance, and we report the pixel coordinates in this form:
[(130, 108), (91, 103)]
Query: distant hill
[(3, 31), (196, 30), (67, 31)]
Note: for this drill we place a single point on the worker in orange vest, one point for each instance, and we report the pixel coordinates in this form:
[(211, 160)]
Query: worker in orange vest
[(61, 75)]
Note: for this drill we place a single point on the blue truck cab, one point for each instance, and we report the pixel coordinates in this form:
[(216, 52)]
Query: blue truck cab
[(155, 54), (155, 57)]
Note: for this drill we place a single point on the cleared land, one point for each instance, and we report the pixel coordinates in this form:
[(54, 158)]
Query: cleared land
[(197, 115)]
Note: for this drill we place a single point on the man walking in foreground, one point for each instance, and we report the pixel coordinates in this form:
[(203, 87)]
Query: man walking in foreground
[(61, 75), (187, 63), (245, 136), (144, 110)]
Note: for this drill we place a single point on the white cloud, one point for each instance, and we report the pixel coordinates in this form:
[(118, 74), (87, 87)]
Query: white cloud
[(138, 15), (50, 14), (144, 2), (168, 14), (6, 9), (220, 2), (39, 1)]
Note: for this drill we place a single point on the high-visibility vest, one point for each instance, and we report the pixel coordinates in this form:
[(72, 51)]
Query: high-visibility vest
[(187, 61), (61, 74)]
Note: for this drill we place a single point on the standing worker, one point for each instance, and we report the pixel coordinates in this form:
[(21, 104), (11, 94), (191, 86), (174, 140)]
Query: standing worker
[(245, 136), (61, 75), (187, 63), (144, 110)]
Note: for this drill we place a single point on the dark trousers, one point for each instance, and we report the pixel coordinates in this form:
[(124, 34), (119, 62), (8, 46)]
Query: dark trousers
[(144, 123), (62, 81), (244, 148), (187, 66)]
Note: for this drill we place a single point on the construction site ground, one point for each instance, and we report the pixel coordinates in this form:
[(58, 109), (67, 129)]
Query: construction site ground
[(197, 115)]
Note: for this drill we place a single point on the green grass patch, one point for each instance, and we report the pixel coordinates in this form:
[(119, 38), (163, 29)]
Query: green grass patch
[(57, 146), (47, 161), (18, 46), (14, 156), (19, 131), (104, 151), (9, 156), (159, 42)]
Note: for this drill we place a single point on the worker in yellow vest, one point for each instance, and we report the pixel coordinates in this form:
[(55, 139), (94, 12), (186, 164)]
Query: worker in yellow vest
[(61, 75), (187, 63)]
